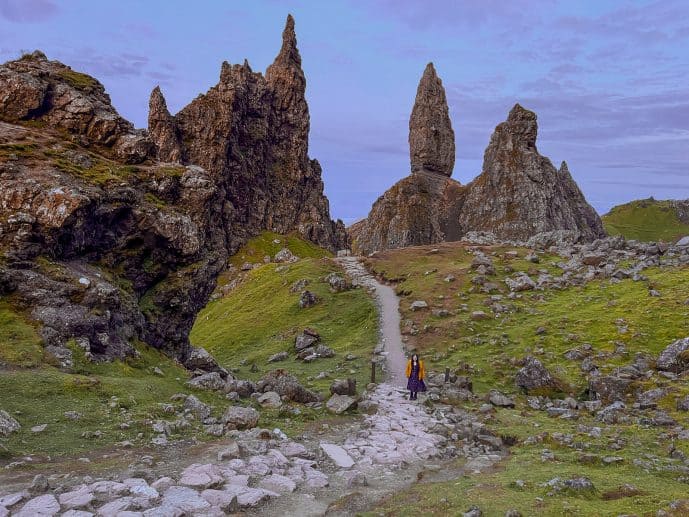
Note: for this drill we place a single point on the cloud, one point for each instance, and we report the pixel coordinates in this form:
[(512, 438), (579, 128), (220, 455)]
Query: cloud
[(28, 11)]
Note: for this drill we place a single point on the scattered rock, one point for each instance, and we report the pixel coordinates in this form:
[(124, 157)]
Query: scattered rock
[(307, 299), (8, 425), (418, 305), (340, 403), (338, 455), (343, 387), (280, 356), (533, 375), (238, 417), (270, 399)]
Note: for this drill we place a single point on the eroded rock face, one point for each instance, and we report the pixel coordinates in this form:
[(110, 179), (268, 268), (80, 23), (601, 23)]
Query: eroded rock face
[(520, 193), (48, 92), (416, 210), (431, 138), (105, 253)]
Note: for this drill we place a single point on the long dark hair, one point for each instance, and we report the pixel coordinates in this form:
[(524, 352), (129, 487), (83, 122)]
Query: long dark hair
[(418, 359)]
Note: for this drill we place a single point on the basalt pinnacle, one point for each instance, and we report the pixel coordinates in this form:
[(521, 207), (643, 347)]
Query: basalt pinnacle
[(162, 128), (431, 138)]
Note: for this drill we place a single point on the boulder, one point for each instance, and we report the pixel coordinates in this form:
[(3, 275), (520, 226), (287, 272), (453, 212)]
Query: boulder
[(200, 410), (287, 386), (338, 404), (200, 359), (285, 256), (238, 417), (498, 399), (305, 339), (208, 381), (521, 282), (337, 282), (307, 299), (8, 425), (534, 376), (270, 399), (675, 357), (343, 387), (417, 305), (610, 388)]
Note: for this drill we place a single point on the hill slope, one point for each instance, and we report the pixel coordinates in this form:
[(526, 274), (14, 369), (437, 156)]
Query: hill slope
[(592, 331), (649, 220)]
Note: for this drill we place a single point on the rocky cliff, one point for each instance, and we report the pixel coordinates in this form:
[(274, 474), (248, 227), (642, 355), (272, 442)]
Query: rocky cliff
[(518, 195), (109, 235)]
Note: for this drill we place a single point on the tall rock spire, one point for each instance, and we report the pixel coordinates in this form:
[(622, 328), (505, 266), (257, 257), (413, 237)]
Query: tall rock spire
[(431, 138), (289, 54), (163, 129), (288, 85)]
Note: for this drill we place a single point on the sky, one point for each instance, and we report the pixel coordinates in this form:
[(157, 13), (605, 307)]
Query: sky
[(608, 79)]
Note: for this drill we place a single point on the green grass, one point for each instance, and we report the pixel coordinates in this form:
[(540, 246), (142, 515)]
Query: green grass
[(35, 393), (261, 317), (77, 80), (487, 351), (264, 245), (645, 220), (20, 345)]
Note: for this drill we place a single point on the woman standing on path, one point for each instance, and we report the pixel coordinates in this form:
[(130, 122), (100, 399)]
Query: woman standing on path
[(416, 373)]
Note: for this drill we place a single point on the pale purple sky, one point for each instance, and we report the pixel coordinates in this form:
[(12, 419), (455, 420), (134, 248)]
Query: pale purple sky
[(608, 79)]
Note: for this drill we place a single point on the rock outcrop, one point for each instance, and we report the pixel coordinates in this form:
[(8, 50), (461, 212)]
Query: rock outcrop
[(431, 138), (100, 253), (519, 194), (418, 209)]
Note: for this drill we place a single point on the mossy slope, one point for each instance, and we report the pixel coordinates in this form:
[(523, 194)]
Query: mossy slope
[(646, 220)]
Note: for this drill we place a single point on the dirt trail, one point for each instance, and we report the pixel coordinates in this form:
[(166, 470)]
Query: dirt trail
[(388, 302)]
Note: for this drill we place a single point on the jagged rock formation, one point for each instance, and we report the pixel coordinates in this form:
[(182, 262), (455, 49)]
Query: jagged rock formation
[(101, 254), (418, 209), (48, 92), (518, 195), (431, 138)]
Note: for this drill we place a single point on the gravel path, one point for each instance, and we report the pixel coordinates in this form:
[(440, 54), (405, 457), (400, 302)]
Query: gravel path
[(388, 302)]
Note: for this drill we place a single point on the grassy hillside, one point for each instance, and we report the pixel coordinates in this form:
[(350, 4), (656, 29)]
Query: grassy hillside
[(646, 220), (117, 401), (619, 320), (120, 400), (261, 316)]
